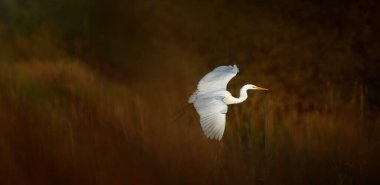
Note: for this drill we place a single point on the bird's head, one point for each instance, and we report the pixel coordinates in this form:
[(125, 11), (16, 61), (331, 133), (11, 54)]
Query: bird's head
[(254, 87)]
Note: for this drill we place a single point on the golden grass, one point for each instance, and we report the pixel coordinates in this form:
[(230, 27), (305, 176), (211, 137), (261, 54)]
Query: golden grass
[(62, 122)]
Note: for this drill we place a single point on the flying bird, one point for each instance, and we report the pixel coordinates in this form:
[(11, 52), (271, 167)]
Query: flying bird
[(211, 99)]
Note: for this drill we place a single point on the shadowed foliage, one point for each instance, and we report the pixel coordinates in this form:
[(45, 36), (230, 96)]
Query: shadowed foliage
[(96, 92)]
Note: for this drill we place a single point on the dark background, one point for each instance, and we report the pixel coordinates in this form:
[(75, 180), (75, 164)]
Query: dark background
[(95, 92)]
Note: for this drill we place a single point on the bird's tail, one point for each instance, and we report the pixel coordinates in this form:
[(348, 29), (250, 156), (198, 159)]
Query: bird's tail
[(193, 97), (181, 111)]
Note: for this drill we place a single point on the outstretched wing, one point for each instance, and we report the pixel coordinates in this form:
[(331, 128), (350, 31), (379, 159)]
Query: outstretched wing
[(217, 79), (212, 111)]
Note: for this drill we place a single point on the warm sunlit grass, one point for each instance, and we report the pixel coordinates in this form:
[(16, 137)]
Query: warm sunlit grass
[(62, 122)]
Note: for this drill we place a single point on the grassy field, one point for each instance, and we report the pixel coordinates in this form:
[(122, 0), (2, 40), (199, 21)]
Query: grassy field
[(93, 92), (62, 122)]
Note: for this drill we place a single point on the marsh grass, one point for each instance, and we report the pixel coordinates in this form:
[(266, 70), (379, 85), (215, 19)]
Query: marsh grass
[(63, 122)]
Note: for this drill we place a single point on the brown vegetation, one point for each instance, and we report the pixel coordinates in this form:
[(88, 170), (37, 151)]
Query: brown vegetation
[(61, 122), (93, 92)]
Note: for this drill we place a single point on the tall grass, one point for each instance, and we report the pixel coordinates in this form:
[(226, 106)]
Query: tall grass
[(62, 122)]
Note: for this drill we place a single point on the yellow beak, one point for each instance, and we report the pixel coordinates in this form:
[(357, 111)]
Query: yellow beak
[(260, 88)]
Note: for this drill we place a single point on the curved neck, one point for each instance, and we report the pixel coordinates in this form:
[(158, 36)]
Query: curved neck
[(243, 96)]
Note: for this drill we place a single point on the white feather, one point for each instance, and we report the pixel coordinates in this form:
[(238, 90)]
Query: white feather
[(208, 100), (217, 79)]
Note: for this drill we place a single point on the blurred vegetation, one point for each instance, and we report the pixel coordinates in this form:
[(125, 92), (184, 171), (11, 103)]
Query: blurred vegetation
[(91, 91)]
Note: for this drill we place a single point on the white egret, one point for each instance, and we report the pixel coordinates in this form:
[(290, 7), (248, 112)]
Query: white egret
[(211, 99)]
